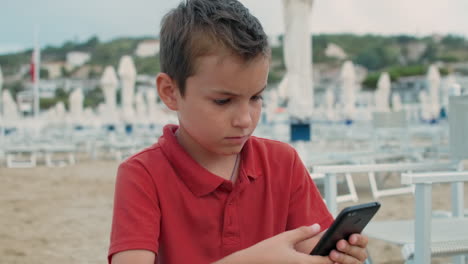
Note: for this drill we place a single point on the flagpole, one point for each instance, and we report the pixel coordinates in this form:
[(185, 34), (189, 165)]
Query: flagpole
[(37, 66)]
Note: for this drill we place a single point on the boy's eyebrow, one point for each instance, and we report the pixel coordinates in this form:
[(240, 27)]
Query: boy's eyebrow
[(234, 94)]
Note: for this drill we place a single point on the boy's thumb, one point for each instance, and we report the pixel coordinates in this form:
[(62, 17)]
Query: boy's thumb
[(302, 233)]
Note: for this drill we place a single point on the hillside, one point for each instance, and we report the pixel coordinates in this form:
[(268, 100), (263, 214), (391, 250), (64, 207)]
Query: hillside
[(408, 54)]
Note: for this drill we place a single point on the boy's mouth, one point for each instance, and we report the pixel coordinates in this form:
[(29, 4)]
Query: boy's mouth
[(237, 140), (239, 137)]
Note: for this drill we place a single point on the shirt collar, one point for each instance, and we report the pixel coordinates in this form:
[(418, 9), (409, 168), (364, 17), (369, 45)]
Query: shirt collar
[(199, 180), (250, 160)]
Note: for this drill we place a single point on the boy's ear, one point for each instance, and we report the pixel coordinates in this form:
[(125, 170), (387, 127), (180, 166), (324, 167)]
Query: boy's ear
[(168, 90)]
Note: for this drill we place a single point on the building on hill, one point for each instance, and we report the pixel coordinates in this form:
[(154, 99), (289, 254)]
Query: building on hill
[(415, 50), (54, 68), (77, 58), (87, 72), (335, 51), (147, 48)]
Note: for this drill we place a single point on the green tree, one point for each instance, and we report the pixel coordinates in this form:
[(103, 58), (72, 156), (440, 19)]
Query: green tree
[(93, 98), (44, 73), (454, 41), (404, 39), (275, 77), (147, 65), (60, 96), (278, 56), (430, 54), (378, 57), (46, 103), (111, 52), (91, 44)]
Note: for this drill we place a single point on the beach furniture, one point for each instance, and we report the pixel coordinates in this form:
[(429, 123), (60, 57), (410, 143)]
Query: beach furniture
[(59, 155), (21, 156), (332, 172), (344, 159), (426, 237), (351, 196)]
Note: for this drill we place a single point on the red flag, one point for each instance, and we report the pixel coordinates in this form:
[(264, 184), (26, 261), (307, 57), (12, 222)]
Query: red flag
[(32, 68)]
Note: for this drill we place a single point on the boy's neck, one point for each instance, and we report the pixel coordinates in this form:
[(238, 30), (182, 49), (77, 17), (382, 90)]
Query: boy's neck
[(225, 166)]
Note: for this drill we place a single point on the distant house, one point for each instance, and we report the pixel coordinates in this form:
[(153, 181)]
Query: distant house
[(77, 58), (415, 50), (86, 72), (335, 51), (54, 68), (147, 48)]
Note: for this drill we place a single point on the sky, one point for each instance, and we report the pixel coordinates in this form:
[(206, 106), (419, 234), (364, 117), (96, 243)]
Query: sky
[(58, 21)]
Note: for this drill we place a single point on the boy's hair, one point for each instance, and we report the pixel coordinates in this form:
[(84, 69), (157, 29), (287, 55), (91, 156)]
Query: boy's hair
[(202, 27)]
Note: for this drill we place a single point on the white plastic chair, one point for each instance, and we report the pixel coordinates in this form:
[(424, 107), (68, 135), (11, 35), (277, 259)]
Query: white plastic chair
[(425, 237), (331, 173)]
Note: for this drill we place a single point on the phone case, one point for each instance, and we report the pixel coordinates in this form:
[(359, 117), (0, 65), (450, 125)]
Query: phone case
[(351, 220)]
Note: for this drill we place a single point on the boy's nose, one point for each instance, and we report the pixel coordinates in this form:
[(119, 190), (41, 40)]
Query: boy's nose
[(242, 117)]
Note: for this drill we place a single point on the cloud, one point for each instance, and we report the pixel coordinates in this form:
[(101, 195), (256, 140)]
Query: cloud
[(420, 17), (63, 20)]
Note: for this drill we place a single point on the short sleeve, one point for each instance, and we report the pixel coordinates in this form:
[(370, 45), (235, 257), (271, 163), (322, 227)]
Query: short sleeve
[(136, 216), (306, 205)]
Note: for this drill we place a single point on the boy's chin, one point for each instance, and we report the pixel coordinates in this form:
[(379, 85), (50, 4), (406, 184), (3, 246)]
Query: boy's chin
[(230, 152)]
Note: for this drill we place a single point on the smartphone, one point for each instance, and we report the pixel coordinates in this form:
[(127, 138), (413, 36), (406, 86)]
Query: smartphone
[(351, 220)]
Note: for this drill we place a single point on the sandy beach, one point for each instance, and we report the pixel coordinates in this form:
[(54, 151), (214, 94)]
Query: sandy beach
[(63, 215)]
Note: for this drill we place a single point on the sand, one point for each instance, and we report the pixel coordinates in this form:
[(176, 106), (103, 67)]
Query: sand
[(63, 215)]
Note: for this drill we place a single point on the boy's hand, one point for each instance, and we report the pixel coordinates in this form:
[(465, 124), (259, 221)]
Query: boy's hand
[(307, 245), (351, 251), (279, 249)]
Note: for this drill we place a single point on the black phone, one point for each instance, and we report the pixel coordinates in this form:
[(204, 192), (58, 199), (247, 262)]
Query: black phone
[(351, 220)]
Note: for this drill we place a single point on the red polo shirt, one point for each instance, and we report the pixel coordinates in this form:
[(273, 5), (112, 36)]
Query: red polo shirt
[(167, 203)]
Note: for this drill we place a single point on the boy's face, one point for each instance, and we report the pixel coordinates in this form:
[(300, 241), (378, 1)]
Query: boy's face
[(222, 104)]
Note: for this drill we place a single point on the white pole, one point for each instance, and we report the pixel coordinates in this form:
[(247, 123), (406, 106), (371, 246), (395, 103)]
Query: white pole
[(2, 123), (1, 85), (37, 69)]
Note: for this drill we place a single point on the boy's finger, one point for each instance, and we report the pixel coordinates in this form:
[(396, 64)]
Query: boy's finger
[(355, 251), (358, 240), (302, 233), (343, 258)]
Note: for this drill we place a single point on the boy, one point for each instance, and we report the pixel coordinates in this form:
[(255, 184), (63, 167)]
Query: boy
[(208, 191)]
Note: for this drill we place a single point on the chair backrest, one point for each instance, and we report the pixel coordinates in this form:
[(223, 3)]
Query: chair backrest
[(330, 173), (423, 210), (458, 123), (390, 167)]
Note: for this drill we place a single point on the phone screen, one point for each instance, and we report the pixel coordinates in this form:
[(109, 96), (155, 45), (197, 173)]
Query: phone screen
[(351, 220)]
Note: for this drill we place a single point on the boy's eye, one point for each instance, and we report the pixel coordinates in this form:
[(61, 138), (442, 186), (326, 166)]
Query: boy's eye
[(221, 101), (257, 97)]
